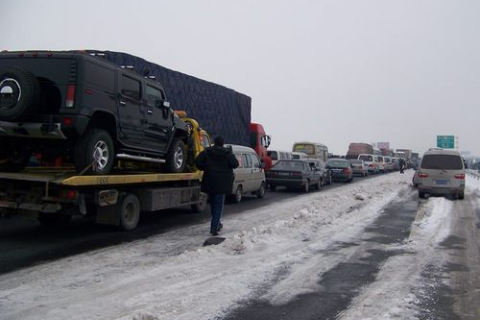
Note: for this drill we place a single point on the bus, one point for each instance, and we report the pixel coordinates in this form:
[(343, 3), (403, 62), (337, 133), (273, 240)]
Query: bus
[(312, 149)]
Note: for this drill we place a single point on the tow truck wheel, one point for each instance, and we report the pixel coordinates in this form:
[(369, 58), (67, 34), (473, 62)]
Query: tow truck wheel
[(201, 205), (129, 212)]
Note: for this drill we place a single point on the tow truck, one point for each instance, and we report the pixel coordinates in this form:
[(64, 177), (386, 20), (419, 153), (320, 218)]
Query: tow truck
[(53, 195)]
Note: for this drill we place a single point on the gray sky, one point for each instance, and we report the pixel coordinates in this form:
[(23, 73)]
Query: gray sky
[(329, 71)]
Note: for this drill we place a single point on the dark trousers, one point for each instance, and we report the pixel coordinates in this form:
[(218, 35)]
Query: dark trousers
[(216, 207)]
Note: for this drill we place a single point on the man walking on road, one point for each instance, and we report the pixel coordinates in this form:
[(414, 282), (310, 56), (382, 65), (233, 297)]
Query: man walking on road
[(401, 163), (218, 163)]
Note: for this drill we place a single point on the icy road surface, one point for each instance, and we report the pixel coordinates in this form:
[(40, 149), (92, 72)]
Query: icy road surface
[(171, 276)]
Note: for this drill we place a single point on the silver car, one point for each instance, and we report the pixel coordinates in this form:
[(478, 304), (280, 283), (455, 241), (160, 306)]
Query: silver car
[(441, 172), (359, 167)]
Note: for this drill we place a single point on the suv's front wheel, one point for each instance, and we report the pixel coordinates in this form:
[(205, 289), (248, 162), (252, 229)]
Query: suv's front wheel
[(94, 152), (175, 162)]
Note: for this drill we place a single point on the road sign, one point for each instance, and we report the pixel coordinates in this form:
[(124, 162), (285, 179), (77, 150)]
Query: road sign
[(446, 142)]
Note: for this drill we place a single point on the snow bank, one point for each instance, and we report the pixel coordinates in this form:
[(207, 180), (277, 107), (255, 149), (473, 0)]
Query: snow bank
[(170, 276)]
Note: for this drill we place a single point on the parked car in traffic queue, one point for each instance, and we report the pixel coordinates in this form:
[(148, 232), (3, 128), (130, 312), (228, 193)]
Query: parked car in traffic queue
[(249, 175), (441, 172), (292, 174), (341, 169), (370, 161), (359, 167), (322, 166)]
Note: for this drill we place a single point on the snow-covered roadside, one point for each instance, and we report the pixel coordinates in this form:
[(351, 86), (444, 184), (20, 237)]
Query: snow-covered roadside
[(150, 279), (397, 290)]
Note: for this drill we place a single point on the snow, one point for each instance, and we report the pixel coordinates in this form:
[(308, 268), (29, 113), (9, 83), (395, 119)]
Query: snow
[(273, 253)]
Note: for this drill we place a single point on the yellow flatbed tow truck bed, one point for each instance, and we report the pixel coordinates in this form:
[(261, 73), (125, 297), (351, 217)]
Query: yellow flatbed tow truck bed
[(50, 195), (70, 178)]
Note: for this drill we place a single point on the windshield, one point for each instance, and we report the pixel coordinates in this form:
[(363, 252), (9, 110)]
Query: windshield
[(366, 158), (289, 166), (306, 148), (338, 164), (442, 162)]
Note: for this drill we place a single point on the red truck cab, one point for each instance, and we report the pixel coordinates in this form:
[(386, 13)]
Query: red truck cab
[(259, 141)]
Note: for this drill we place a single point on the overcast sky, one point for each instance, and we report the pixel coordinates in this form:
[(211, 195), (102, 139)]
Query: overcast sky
[(332, 71)]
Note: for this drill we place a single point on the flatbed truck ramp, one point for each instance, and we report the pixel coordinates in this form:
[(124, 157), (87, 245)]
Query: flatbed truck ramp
[(55, 196)]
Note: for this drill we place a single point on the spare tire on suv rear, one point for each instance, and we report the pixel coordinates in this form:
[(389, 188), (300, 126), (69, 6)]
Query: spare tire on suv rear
[(19, 93)]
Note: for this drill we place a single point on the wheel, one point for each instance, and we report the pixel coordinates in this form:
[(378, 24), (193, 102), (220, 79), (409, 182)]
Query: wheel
[(261, 191), (273, 187), (319, 184), (94, 152), (13, 160), (461, 195), (54, 219), (421, 195), (175, 162), (306, 187), (238, 195), (129, 212), (201, 205), (19, 93), (329, 180)]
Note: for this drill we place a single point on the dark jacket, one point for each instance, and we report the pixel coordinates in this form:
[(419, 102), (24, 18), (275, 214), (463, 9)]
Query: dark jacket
[(218, 164)]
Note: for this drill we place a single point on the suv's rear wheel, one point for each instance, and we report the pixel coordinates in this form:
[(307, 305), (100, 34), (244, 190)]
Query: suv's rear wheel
[(94, 152), (19, 93), (175, 162)]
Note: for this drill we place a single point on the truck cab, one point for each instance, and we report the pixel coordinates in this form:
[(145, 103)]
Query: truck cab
[(260, 141)]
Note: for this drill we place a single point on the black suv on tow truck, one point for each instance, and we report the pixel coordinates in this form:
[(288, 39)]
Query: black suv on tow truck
[(81, 107)]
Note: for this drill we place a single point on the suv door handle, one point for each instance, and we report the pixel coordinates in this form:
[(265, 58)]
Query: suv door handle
[(123, 103), (149, 111)]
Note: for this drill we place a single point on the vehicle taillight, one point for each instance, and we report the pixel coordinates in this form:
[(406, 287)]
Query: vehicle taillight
[(69, 102), (460, 176), (67, 121), (423, 175), (371, 165)]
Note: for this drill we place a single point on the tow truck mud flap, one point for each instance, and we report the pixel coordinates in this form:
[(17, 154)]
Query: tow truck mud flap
[(108, 207)]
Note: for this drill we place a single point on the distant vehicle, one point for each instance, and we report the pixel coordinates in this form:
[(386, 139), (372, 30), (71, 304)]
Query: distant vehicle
[(249, 176), (370, 161), (441, 172), (380, 163), (341, 169), (299, 155), (294, 174), (396, 164), (276, 155), (357, 148), (388, 164), (312, 149), (359, 167), (260, 141), (322, 166)]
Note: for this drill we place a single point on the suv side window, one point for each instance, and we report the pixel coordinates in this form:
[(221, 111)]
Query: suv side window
[(154, 96), (131, 88), (99, 75)]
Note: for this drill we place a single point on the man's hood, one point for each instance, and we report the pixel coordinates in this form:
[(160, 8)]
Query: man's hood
[(215, 151)]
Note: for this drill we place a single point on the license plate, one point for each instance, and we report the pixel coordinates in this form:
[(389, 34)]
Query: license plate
[(441, 182), (283, 174)]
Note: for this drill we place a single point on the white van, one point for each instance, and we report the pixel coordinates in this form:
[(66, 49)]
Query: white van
[(370, 161), (276, 155), (249, 176), (441, 172)]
